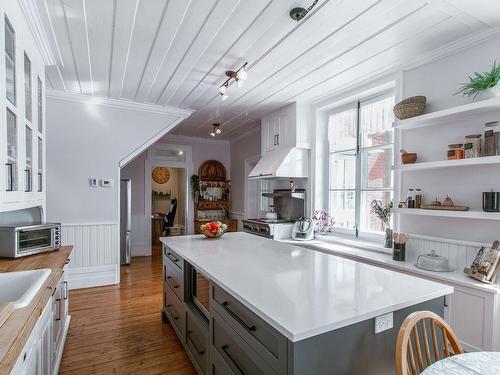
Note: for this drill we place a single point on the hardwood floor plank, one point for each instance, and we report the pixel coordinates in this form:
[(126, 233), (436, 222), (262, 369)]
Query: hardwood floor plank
[(118, 330)]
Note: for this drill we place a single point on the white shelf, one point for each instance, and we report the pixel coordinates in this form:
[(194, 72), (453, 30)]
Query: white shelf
[(476, 215), (450, 114), (486, 160)]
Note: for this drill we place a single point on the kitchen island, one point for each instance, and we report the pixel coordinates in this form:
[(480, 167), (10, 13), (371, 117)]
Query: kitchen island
[(277, 308)]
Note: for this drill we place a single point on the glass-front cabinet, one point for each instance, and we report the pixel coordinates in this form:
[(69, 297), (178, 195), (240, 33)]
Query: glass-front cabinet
[(22, 125)]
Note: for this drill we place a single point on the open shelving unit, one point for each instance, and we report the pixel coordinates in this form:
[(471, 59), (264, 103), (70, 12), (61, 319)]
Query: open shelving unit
[(439, 118), (478, 215), (449, 115), (486, 160)]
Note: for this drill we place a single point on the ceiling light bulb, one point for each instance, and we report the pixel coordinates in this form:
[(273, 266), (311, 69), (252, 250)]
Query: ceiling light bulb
[(224, 97), (222, 89), (212, 133), (217, 130), (239, 83), (180, 152), (242, 74)]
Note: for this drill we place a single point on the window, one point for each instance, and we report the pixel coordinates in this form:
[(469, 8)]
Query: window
[(40, 164), (10, 62), (29, 158), (361, 150), (27, 88)]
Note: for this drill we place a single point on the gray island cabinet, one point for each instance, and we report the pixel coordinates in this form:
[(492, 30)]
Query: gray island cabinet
[(248, 305)]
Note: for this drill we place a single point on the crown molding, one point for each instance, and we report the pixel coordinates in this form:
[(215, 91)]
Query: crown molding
[(119, 103), (30, 11), (453, 47)]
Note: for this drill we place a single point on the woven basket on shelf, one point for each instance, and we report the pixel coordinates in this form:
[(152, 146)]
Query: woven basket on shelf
[(410, 107)]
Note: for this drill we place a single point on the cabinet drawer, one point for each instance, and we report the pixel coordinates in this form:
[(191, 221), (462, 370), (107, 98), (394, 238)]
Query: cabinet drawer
[(197, 338), (269, 343), (172, 256), (237, 354), (174, 309), (173, 277), (219, 366)]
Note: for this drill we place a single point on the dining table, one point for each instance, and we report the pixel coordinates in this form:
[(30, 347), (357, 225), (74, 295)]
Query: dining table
[(475, 363)]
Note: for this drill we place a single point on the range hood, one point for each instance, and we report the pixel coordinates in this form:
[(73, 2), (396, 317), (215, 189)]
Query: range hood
[(284, 162)]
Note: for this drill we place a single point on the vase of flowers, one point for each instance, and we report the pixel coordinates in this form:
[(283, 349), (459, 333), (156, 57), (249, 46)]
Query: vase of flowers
[(383, 213), (483, 85), (323, 223)]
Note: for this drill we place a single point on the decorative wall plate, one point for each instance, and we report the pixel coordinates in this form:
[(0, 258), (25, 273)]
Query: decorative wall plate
[(160, 175)]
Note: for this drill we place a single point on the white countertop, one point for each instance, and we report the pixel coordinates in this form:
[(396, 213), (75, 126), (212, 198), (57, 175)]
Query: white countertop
[(301, 292), (374, 256)]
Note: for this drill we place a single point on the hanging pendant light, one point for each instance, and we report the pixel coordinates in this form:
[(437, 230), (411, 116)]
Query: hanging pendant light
[(215, 130)]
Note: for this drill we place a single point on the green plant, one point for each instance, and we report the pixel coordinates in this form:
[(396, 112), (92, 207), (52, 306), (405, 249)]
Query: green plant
[(481, 82), (382, 212)]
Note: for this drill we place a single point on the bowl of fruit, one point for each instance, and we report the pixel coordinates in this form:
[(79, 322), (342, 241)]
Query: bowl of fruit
[(214, 229)]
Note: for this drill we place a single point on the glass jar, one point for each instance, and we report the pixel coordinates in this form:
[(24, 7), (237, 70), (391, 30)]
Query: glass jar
[(456, 151), (418, 198), (472, 146), (489, 138), (496, 139)]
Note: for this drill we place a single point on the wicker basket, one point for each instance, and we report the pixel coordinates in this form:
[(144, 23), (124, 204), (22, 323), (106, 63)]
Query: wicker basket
[(410, 107)]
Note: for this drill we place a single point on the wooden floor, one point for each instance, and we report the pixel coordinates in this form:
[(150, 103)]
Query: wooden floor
[(118, 329)]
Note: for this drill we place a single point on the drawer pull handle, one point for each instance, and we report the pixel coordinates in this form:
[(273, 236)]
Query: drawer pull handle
[(172, 282), (225, 349), (58, 300), (200, 352), (66, 292), (248, 327), (172, 258), (173, 312)]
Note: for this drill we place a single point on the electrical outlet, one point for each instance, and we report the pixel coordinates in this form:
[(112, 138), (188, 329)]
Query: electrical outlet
[(93, 182), (384, 322), (106, 183)]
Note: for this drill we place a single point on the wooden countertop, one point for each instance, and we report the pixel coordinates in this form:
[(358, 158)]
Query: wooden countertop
[(14, 333)]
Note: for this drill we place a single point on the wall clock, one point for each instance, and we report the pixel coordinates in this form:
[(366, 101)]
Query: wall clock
[(160, 175)]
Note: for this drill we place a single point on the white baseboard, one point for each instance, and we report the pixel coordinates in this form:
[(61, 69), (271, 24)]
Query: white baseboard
[(88, 277)]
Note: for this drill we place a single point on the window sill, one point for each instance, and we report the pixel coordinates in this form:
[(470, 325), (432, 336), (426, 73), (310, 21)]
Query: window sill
[(346, 240)]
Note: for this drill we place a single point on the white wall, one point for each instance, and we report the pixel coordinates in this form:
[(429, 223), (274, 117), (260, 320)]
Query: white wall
[(242, 149), (87, 137)]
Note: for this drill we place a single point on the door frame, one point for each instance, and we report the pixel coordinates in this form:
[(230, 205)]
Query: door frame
[(187, 165), (248, 169)]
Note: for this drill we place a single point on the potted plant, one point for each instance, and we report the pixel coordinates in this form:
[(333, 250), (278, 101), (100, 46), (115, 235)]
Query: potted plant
[(483, 84), (384, 214)]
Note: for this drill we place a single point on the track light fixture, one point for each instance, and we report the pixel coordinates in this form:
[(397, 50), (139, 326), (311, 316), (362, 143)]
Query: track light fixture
[(239, 76), (215, 130), (299, 13)]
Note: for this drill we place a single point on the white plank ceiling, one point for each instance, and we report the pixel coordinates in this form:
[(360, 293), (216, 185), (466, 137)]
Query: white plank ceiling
[(175, 52)]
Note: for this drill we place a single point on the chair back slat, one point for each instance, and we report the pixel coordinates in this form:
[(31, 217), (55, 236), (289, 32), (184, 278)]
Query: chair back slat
[(417, 348), (409, 356), (426, 342)]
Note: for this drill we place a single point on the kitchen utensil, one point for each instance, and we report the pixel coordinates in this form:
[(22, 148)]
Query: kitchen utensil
[(491, 201), (303, 229), (433, 262), (408, 157), (410, 107), (271, 215)]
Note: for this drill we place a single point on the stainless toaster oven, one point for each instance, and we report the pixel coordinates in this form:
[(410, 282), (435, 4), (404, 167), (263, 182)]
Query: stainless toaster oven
[(19, 240)]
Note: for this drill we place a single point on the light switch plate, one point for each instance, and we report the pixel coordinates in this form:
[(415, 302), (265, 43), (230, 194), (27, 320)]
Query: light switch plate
[(93, 182), (384, 322), (106, 183)]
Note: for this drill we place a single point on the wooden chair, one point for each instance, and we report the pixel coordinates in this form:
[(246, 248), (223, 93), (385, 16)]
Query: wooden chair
[(414, 334)]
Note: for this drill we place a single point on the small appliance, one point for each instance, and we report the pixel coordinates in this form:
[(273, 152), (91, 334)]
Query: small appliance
[(303, 229), (18, 240), (433, 262)]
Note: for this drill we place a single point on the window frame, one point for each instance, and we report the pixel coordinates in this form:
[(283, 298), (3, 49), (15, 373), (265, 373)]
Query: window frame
[(361, 154), (8, 25)]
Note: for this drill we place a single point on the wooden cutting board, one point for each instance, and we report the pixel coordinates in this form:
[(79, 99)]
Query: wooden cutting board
[(5, 310), (444, 208)]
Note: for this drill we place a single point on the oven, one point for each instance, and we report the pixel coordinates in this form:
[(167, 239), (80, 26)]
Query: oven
[(17, 240)]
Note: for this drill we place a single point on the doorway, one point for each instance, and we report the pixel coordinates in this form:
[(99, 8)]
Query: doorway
[(169, 191)]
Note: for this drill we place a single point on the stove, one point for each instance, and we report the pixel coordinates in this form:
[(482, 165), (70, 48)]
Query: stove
[(269, 228)]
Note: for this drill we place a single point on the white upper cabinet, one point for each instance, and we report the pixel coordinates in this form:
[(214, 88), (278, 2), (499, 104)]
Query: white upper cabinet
[(288, 127), (22, 98)]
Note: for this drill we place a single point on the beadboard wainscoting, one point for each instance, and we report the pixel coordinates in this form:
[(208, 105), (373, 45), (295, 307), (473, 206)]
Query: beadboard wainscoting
[(460, 254), (95, 257)]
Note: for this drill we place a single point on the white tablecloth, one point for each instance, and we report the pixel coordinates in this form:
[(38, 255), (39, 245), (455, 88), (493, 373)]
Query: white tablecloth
[(477, 363)]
